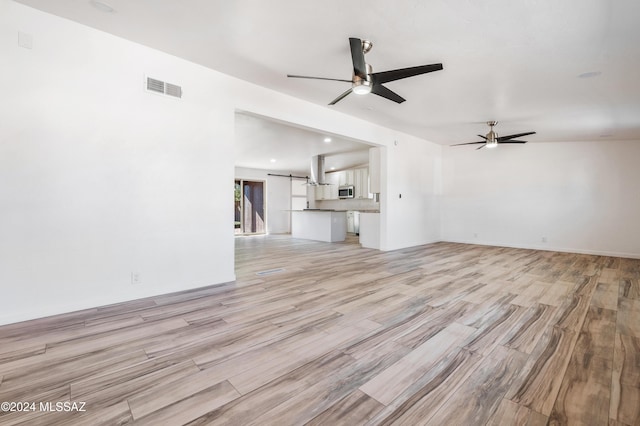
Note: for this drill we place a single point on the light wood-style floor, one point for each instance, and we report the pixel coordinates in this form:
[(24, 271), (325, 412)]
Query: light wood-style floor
[(443, 334)]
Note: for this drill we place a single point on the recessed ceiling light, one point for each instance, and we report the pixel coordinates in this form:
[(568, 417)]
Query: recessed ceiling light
[(589, 74), (327, 140), (273, 160), (102, 7), (333, 168)]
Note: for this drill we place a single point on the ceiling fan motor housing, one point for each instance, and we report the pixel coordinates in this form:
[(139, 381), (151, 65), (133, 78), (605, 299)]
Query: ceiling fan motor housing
[(492, 137)]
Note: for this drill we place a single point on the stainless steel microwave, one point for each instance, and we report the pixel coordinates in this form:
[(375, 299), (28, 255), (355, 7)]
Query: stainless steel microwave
[(345, 191)]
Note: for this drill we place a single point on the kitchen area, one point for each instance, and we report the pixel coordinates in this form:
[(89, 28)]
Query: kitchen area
[(297, 181), (341, 202)]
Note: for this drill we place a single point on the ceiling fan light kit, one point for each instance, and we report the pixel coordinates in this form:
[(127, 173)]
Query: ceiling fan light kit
[(361, 87), (364, 80)]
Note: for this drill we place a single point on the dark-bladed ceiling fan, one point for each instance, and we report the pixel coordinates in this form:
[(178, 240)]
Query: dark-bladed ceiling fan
[(365, 81), (491, 140)]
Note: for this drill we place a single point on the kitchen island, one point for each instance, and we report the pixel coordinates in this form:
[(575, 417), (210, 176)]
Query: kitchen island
[(319, 225)]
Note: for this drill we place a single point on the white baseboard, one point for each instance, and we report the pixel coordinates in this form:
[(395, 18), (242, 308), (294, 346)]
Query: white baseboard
[(40, 312), (409, 245), (546, 247)]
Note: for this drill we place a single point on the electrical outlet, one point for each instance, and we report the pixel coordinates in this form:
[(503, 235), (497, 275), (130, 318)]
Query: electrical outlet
[(475, 235), (136, 278), (544, 239)]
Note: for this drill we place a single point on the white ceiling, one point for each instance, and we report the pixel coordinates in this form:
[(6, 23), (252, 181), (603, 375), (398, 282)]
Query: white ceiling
[(518, 62), (259, 141)]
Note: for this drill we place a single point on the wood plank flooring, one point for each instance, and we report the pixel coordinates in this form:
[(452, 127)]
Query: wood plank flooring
[(442, 334)]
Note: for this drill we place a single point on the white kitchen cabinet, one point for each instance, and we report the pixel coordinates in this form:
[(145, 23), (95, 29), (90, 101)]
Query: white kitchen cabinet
[(374, 170), (332, 178), (357, 183), (320, 225), (361, 183), (326, 192), (358, 178), (329, 191), (346, 177)]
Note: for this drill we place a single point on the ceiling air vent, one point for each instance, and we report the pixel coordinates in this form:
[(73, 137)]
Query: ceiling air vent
[(159, 86)]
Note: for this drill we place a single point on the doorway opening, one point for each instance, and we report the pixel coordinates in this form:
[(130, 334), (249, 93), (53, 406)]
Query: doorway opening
[(249, 207)]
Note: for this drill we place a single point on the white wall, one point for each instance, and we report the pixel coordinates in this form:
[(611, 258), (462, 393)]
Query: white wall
[(99, 179), (411, 191), (582, 197), (278, 201)]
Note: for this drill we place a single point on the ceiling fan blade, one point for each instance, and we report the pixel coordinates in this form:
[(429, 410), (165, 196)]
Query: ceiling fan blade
[(317, 78), (380, 90), (469, 143), (480, 147), (517, 135), (341, 97), (483, 137), (386, 76), (357, 56), (512, 141)]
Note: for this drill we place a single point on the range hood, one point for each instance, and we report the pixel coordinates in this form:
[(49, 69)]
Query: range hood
[(317, 170)]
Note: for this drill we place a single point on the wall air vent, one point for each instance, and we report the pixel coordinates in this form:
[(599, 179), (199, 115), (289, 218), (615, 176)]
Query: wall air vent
[(159, 86), (173, 90), (155, 85)]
